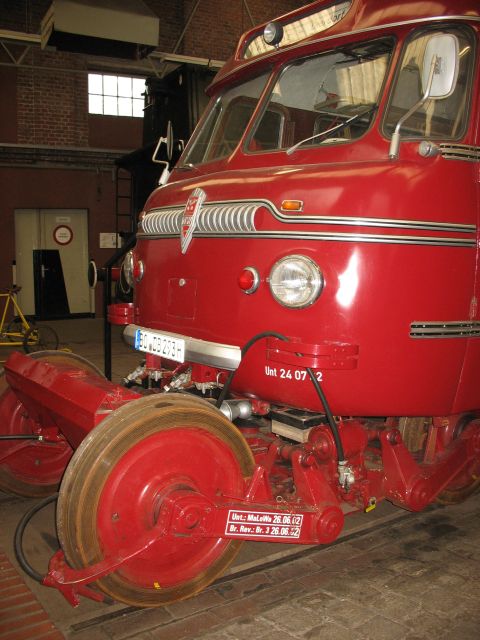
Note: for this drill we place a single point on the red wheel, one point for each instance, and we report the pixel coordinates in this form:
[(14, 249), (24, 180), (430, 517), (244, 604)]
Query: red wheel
[(28, 467), (113, 489)]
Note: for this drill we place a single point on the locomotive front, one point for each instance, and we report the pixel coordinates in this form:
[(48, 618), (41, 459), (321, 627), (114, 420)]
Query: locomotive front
[(305, 298), (287, 216)]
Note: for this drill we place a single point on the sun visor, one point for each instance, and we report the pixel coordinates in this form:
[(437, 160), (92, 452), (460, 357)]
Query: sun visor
[(127, 29)]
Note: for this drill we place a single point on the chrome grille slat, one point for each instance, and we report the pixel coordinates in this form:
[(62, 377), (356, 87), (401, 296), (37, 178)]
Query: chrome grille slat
[(464, 152), (221, 218), (460, 329)]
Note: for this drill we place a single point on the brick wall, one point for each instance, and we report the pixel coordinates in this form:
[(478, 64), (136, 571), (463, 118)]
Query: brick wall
[(52, 103), (51, 97), (44, 102)]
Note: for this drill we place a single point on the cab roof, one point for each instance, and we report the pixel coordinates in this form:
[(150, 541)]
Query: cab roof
[(341, 17)]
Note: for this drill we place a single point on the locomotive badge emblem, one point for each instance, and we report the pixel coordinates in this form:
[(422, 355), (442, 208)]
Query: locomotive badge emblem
[(190, 217)]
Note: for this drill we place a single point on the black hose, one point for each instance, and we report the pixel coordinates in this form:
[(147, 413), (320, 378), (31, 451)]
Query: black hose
[(18, 538), (330, 419), (328, 413), (20, 436), (245, 348)]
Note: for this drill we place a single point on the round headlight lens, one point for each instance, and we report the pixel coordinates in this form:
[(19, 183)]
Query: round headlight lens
[(273, 33), (296, 281), (127, 268)]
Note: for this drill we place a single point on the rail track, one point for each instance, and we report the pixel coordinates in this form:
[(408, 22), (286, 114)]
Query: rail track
[(255, 559)]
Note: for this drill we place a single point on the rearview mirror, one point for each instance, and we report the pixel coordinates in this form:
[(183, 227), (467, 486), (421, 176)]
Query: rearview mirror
[(168, 140), (441, 52), (439, 77)]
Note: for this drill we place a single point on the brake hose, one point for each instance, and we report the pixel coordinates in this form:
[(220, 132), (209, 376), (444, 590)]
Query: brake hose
[(330, 419), (18, 538)]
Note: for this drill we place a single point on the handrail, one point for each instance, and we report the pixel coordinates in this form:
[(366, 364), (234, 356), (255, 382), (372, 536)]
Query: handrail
[(107, 300)]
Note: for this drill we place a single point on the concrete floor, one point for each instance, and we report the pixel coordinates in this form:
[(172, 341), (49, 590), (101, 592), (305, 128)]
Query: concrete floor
[(85, 337), (391, 576)]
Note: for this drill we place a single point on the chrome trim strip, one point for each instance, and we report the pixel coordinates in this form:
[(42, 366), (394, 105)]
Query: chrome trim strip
[(154, 222), (466, 152), (460, 329), (213, 354), (380, 27), (366, 237), (332, 237)]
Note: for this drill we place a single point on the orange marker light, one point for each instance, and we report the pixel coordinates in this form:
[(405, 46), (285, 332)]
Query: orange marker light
[(292, 205)]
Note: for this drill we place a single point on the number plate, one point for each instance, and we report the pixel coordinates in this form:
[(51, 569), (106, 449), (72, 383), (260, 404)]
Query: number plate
[(160, 345)]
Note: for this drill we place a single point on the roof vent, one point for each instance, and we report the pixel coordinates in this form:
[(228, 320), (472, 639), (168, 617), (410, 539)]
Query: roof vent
[(127, 29)]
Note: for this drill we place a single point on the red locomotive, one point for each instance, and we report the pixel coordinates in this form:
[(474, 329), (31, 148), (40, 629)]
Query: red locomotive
[(306, 297)]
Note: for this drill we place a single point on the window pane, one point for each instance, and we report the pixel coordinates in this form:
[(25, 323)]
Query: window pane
[(110, 106), (110, 85), (95, 104), (95, 83), (124, 107), (125, 87), (224, 126), (115, 95), (138, 87), (329, 98), (137, 108)]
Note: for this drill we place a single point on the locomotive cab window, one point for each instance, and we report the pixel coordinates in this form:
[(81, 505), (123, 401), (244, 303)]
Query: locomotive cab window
[(330, 98), (436, 119), (225, 122)]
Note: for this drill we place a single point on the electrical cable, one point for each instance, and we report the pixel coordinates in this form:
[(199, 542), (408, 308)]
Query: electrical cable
[(328, 413), (18, 538)]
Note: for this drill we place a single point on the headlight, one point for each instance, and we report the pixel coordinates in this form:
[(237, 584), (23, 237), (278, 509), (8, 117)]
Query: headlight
[(132, 269), (273, 33), (296, 281), (128, 268)]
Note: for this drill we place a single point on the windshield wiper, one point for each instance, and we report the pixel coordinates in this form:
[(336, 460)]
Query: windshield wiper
[(338, 127)]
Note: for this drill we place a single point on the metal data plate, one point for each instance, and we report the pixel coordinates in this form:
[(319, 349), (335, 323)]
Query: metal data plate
[(160, 345)]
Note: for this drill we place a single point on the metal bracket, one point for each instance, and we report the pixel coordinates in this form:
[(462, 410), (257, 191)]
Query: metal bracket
[(72, 583)]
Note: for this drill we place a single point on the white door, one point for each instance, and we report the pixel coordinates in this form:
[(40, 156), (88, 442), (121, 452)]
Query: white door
[(51, 248)]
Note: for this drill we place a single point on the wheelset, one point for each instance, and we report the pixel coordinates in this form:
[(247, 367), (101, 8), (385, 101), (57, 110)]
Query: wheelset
[(114, 487), (28, 467)]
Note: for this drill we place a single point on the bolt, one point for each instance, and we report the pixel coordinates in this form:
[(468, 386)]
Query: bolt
[(38, 462), (115, 516), (394, 437)]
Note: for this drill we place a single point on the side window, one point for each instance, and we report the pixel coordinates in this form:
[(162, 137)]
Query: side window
[(225, 123), (437, 119)]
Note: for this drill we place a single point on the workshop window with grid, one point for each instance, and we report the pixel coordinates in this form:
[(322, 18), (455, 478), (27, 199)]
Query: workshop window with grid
[(110, 95)]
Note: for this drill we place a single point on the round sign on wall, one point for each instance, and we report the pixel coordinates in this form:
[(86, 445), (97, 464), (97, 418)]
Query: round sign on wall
[(62, 234)]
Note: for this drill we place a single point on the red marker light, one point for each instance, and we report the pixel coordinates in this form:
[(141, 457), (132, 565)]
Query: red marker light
[(248, 280)]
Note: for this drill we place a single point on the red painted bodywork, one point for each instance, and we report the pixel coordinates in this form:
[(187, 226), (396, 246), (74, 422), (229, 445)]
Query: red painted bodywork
[(395, 284), (379, 279)]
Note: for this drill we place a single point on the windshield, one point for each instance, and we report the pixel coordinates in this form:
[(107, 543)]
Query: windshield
[(327, 98), (226, 122)]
